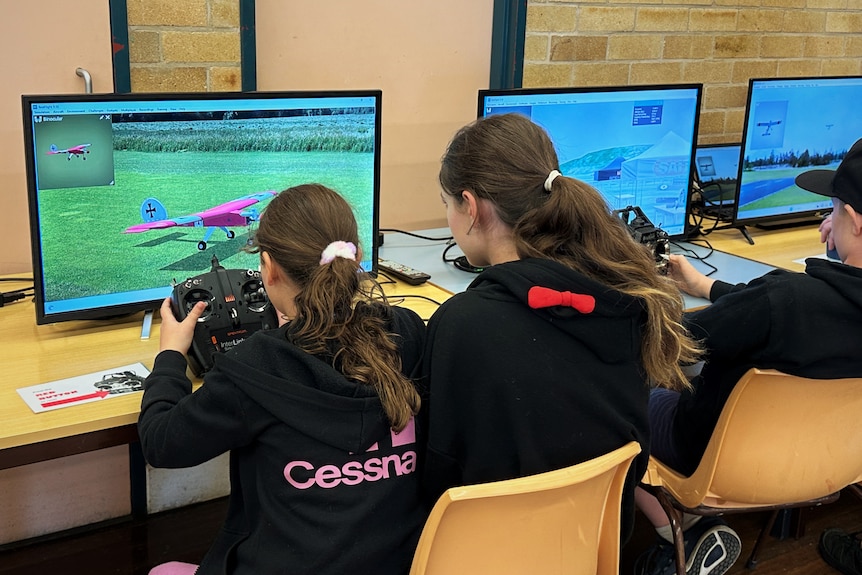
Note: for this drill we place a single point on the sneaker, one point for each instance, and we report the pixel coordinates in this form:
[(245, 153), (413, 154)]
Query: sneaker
[(656, 560), (711, 548), (842, 550)]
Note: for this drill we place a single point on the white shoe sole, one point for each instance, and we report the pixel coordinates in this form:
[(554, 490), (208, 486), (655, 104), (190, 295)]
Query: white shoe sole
[(715, 552)]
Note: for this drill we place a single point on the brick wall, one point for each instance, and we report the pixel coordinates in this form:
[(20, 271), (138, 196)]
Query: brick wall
[(720, 43), (187, 46)]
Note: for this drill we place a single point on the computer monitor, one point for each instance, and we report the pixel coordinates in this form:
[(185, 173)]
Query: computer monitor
[(635, 144), (793, 125), (716, 167), (131, 192)]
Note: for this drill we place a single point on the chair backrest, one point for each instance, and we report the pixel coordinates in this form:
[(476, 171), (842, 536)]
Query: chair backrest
[(563, 521), (783, 439)]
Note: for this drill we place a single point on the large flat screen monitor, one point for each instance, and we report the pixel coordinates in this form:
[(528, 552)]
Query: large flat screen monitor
[(793, 125), (635, 144), (130, 192)]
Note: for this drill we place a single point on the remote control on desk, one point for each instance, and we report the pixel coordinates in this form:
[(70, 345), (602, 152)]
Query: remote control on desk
[(404, 273)]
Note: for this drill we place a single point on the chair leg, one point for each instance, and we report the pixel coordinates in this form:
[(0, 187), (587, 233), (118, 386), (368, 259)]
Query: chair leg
[(752, 559), (799, 523), (675, 516)]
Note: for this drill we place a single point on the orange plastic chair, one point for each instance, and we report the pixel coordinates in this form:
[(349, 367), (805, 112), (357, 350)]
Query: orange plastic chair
[(563, 521), (781, 442)]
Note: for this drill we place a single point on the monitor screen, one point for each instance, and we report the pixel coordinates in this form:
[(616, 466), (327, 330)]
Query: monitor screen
[(131, 192), (793, 125), (635, 144), (716, 168)]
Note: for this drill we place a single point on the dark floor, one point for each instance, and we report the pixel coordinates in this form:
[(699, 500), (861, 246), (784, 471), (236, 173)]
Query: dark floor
[(132, 547), (788, 556)]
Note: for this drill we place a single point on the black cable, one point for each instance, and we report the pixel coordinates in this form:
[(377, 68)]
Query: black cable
[(15, 295), (697, 256), (406, 233), (448, 247), (31, 288), (389, 279), (417, 296)]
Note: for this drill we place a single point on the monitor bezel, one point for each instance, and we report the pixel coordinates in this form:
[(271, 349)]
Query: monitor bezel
[(130, 308), (688, 228), (808, 217)]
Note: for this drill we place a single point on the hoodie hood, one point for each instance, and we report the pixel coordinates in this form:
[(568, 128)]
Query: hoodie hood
[(844, 279), (305, 392), (585, 309)]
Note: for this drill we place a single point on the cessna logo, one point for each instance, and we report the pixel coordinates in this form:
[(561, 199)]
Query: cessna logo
[(304, 475)]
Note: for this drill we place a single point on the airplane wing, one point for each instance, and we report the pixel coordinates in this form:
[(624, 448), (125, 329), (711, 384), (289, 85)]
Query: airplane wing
[(232, 213), (72, 150), (223, 215), (191, 220)]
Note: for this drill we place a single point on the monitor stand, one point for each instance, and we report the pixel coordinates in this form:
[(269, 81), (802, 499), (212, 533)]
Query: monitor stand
[(147, 324), (741, 229), (744, 233)]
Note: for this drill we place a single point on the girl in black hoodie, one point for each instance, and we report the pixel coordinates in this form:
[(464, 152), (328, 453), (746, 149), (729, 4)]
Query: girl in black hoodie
[(546, 360), (318, 415)]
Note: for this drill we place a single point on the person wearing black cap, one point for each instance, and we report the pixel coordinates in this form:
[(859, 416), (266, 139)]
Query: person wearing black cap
[(841, 550), (843, 184), (767, 323)]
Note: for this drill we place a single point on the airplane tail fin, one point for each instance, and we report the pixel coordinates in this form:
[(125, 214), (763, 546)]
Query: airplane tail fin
[(152, 210)]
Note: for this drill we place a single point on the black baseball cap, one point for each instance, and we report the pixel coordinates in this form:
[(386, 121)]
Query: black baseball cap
[(844, 183)]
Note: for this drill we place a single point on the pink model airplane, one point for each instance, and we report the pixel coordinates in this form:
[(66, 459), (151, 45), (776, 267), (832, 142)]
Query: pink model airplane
[(79, 150), (229, 214)]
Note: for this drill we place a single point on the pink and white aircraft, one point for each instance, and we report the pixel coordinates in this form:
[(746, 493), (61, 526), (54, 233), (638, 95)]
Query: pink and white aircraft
[(78, 150), (230, 214)]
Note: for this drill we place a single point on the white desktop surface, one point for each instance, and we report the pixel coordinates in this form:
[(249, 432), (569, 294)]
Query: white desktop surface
[(427, 256)]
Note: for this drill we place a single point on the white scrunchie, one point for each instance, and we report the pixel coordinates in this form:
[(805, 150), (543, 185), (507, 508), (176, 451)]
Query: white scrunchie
[(339, 249), (551, 177)]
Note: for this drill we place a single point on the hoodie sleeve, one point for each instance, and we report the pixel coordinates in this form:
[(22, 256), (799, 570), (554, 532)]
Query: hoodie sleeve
[(739, 320), (733, 326), (179, 428)]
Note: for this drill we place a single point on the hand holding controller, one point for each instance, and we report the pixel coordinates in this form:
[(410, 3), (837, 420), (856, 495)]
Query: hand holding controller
[(222, 307), (177, 335)]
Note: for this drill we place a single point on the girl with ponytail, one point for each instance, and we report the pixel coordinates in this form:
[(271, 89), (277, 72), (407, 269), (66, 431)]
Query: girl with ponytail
[(546, 360), (318, 415)]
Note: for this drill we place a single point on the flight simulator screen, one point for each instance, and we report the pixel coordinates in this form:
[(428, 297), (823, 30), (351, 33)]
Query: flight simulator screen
[(717, 167), (793, 125), (129, 193), (634, 144)]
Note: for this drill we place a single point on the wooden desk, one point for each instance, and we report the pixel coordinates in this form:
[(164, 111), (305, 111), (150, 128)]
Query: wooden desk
[(777, 248), (70, 467), (34, 354)]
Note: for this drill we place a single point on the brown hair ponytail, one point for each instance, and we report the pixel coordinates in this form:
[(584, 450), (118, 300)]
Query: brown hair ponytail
[(507, 159), (340, 311)]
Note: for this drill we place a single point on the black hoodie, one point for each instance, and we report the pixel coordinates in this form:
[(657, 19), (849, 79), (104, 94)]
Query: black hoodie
[(803, 324), (319, 483), (516, 391)]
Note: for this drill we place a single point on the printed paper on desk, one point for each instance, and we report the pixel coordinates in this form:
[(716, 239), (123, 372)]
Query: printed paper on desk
[(85, 388)]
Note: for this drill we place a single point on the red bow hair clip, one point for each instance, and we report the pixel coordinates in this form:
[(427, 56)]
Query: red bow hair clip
[(540, 297)]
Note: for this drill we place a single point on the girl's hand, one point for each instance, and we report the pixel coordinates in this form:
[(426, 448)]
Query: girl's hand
[(687, 278), (176, 335)]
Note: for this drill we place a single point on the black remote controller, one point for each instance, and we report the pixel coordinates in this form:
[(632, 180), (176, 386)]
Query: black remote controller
[(237, 306), (401, 272)]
